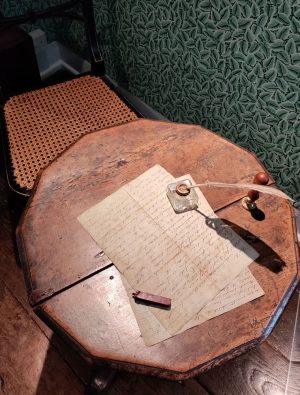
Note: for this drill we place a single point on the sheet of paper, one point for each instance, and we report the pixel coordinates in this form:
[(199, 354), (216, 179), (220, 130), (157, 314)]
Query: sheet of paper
[(187, 257), (243, 289)]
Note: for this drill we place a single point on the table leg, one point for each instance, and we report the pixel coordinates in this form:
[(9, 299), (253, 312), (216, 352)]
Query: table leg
[(100, 382)]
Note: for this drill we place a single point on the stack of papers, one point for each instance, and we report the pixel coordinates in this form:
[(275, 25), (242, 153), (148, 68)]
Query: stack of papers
[(193, 258)]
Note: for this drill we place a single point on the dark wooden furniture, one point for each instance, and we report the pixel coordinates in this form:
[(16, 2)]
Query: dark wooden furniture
[(78, 292), (18, 66), (38, 125)]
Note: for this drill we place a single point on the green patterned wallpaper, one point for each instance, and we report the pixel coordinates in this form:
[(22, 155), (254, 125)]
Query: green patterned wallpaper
[(233, 66)]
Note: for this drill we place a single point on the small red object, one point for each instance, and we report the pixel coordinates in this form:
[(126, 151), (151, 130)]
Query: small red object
[(152, 299), (260, 178), (253, 195)]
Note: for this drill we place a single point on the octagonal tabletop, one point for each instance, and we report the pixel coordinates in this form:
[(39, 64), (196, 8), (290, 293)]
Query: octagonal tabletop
[(69, 277)]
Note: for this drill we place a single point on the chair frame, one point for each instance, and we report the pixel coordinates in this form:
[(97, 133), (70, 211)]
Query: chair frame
[(97, 69), (63, 10)]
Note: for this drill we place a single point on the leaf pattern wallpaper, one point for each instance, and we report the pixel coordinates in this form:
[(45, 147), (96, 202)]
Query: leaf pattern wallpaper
[(230, 65)]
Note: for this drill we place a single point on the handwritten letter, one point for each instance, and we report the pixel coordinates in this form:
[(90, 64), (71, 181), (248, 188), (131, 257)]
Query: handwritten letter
[(243, 289), (187, 257)]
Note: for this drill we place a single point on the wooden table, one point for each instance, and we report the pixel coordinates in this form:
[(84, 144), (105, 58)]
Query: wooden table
[(68, 276)]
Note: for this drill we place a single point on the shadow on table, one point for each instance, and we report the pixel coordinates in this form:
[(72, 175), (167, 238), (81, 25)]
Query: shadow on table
[(267, 256)]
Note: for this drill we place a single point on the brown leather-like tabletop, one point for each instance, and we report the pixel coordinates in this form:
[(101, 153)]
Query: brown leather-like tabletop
[(69, 277)]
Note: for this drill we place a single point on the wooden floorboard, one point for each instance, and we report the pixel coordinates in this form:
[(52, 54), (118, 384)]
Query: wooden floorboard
[(10, 270), (262, 371), (281, 337), (28, 365)]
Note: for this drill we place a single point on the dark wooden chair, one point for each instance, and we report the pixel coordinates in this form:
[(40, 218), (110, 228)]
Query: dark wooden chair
[(39, 124)]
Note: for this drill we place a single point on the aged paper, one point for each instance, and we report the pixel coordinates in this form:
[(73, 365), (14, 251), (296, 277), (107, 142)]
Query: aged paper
[(187, 257), (243, 289)]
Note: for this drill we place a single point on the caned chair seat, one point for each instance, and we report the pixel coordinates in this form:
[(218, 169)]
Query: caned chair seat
[(43, 123)]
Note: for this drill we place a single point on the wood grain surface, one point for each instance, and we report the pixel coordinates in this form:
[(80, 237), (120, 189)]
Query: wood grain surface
[(97, 165), (245, 375), (33, 361), (263, 370), (28, 363), (57, 253)]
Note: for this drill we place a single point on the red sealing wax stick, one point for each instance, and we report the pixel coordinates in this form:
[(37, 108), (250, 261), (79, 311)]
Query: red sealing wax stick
[(152, 299)]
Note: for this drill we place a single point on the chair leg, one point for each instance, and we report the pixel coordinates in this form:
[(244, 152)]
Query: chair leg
[(100, 382)]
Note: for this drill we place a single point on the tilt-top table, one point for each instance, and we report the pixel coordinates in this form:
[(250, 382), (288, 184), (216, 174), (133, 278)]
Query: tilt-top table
[(69, 278)]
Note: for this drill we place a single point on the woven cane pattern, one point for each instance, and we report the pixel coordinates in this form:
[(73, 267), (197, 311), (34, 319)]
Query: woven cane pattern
[(43, 123)]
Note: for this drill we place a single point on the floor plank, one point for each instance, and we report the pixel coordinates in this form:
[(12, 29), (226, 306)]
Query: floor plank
[(262, 371), (281, 337), (10, 270), (293, 380), (28, 365)]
